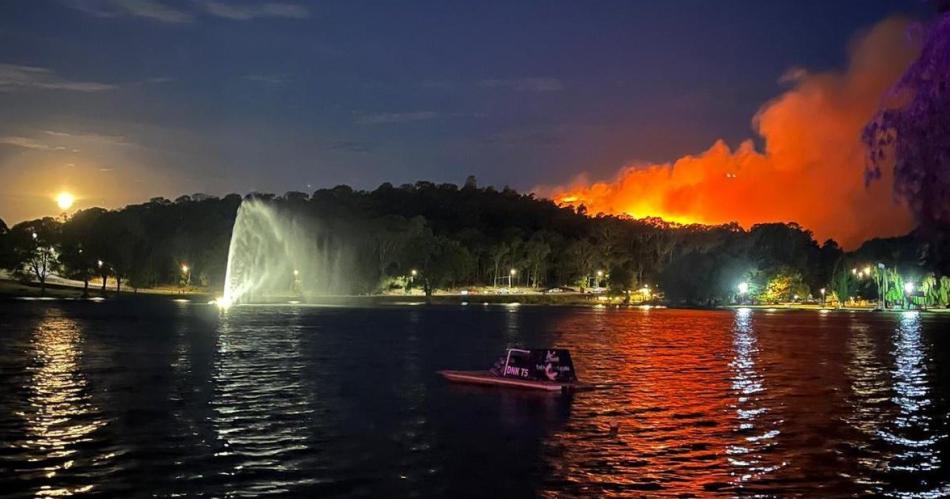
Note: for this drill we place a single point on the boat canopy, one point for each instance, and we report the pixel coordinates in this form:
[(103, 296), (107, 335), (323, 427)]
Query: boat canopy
[(539, 364)]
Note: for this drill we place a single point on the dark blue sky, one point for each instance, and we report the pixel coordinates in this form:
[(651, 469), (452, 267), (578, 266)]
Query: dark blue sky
[(159, 97)]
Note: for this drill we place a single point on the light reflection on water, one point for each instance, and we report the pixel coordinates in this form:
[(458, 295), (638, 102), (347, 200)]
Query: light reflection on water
[(262, 407), (911, 432), (759, 429), (59, 415), (310, 401)]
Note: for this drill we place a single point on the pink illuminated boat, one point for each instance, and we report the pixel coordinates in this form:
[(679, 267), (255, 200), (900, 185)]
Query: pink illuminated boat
[(549, 369)]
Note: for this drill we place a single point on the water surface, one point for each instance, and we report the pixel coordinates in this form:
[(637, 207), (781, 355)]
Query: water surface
[(155, 398)]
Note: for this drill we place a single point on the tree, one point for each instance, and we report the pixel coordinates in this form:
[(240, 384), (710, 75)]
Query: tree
[(784, 286), (536, 252), (943, 291), (83, 244), (497, 254), (4, 245), (914, 133), (33, 250)]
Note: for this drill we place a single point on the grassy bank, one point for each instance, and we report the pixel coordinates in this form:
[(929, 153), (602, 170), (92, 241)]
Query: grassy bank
[(10, 289)]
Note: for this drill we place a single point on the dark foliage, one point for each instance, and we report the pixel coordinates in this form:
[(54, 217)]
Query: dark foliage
[(456, 237)]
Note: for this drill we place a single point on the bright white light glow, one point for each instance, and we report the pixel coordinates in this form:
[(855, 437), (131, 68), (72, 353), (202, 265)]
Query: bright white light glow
[(743, 288), (65, 200)]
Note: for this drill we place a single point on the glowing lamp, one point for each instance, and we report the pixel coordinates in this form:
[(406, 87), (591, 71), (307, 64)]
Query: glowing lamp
[(743, 288)]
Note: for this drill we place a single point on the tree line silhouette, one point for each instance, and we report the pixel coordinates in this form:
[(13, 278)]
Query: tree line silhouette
[(456, 237)]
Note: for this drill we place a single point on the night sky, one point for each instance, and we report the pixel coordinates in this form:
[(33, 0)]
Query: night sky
[(122, 100)]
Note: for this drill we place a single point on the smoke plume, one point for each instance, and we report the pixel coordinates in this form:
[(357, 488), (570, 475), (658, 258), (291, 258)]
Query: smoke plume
[(811, 170)]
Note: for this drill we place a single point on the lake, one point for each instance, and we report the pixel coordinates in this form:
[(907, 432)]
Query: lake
[(153, 397)]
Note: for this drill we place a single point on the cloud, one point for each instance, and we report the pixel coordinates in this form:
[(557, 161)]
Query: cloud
[(350, 146), (15, 77), (160, 79), (154, 10), (385, 118), (162, 11), (536, 138), (54, 140), (525, 84), (255, 10), (811, 170), (24, 142), (269, 79)]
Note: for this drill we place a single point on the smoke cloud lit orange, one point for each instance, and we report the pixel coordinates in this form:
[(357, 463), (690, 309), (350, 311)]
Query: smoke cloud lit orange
[(811, 170)]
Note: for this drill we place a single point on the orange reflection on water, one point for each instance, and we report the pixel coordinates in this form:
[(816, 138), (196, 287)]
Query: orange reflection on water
[(59, 416), (662, 423)]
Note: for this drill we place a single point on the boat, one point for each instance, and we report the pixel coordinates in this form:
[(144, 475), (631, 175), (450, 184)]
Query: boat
[(548, 369)]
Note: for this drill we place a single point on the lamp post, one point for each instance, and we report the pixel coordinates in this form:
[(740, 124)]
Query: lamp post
[(185, 275), (102, 274), (822, 297), (412, 278), (511, 273), (882, 285), (908, 291)]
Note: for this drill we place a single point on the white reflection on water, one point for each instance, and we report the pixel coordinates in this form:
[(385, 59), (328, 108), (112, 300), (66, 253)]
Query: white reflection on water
[(868, 401), (760, 433), (912, 431), (59, 416), (262, 407)]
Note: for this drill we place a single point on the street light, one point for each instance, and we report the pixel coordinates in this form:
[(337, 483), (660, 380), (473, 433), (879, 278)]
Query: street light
[(882, 285), (99, 262), (743, 289), (511, 273), (412, 279), (822, 296), (185, 276), (908, 290)]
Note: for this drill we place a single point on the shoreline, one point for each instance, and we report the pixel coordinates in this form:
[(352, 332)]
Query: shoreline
[(17, 291)]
